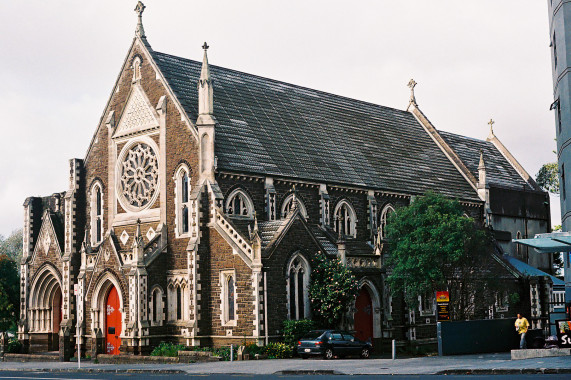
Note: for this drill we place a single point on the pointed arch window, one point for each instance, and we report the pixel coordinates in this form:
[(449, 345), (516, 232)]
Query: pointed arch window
[(182, 197), (239, 204), (288, 202), (345, 219), (156, 307), (383, 217), (228, 298), (136, 69), (177, 297), (298, 276), (96, 204)]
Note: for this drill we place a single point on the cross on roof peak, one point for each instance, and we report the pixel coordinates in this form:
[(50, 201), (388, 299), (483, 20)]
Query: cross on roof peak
[(491, 124), (140, 8), (205, 46), (411, 84)]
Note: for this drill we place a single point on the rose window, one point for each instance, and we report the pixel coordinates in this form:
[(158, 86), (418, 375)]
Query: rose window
[(139, 175)]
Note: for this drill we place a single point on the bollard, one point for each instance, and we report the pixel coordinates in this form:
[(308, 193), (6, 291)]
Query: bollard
[(394, 349), (231, 352)]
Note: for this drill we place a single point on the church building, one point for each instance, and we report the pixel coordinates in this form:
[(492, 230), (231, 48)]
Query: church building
[(206, 192)]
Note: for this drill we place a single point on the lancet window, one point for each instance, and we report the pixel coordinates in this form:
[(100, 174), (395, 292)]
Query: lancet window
[(345, 219)]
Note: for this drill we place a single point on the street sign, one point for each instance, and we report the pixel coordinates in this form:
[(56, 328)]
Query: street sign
[(564, 333), (443, 305)]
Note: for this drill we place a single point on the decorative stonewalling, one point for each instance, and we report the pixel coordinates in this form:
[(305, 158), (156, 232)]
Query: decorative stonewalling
[(139, 176), (138, 115), (124, 237)]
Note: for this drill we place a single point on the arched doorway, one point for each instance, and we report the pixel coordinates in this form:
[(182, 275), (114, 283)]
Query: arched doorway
[(56, 312), (112, 322), (364, 316), (45, 310)]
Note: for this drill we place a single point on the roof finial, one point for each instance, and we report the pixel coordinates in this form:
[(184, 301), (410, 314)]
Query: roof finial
[(205, 46), (491, 124), (482, 165), (411, 84), (140, 8)]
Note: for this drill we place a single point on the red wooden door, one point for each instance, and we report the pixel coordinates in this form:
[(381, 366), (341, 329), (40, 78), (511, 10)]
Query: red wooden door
[(56, 312), (112, 322), (364, 316)]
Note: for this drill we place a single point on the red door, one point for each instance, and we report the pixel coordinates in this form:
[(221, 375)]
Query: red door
[(112, 322), (56, 312), (364, 316)]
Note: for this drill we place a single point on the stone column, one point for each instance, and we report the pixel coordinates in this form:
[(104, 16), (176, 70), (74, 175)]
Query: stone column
[(65, 346)]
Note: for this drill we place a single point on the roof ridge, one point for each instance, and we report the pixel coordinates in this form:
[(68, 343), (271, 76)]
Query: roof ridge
[(464, 136), (286, 83)]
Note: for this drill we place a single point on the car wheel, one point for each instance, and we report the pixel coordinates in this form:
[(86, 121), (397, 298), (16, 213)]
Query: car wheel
[(366, 353), (328, 353), (304, 356)]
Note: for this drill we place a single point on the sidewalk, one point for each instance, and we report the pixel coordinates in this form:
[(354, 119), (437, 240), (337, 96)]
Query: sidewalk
[(485, 363)]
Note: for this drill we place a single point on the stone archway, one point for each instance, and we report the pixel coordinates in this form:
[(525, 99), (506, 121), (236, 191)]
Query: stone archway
[(367, 317), (45, 310), (107, 311)]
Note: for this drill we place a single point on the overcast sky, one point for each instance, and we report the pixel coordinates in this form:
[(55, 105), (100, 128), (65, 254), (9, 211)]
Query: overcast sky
[(472, 60)]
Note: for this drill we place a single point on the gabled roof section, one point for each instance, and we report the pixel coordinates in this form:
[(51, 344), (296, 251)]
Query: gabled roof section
[(499, 171), (274, 128)]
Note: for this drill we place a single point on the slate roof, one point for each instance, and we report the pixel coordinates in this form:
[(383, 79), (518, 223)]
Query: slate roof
[(498, 169), (278, 129)]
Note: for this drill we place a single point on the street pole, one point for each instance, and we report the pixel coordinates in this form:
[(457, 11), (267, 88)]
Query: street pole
[(394, 349)]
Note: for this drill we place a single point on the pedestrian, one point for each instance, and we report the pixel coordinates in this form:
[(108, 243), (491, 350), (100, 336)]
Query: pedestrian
[(521, 326)]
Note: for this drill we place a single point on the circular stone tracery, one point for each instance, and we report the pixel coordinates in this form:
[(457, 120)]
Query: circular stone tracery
[(139, 175)]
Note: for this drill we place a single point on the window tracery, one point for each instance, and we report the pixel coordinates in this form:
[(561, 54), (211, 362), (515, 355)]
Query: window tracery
[(383, 217), (228, 299), (288, 202), (298, 276), (139, 176), (345, 219), (239, 203)]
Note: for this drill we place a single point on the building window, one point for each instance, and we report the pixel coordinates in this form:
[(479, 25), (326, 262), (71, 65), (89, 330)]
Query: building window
[(96, 213), (239, 204), (563, 190), (559, 116), (177, 299), (156, 307), (426, 304), (383, 217), (136, 69), (518, 246), (345, 219), (298, 287), (502, 301), (228, 298), (182, 197), (554, 52), (288, 202)]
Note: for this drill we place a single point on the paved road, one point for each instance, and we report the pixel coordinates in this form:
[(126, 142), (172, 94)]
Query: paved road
[(92, 376)]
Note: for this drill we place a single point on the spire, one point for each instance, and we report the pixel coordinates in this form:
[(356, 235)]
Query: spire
[(412, 102), (482, 171), (491, 124), (140, 31), (205, 91)]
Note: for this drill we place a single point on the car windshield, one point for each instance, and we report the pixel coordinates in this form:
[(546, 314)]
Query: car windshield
[(312, 335)]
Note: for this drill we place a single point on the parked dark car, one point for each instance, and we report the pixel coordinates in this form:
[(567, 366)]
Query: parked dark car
[(331, 343)]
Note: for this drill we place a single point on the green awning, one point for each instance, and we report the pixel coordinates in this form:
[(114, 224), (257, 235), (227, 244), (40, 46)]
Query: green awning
[(547, 243)]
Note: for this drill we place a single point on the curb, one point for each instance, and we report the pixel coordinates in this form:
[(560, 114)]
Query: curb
[(96, 370), (308, 372), (504, 371)]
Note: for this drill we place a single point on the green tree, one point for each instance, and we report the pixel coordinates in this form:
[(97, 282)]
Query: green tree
[(548, 178), (332, 290), (433, 246), (12, 245), (9, 293)]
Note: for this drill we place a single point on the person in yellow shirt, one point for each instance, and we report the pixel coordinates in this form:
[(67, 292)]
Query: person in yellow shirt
[(521, 326)]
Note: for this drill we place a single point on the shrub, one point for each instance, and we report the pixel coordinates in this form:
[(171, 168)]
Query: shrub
[(252, 349), (168, 349), (221, 352), (14, 346), (294, 330), (277, 351)]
